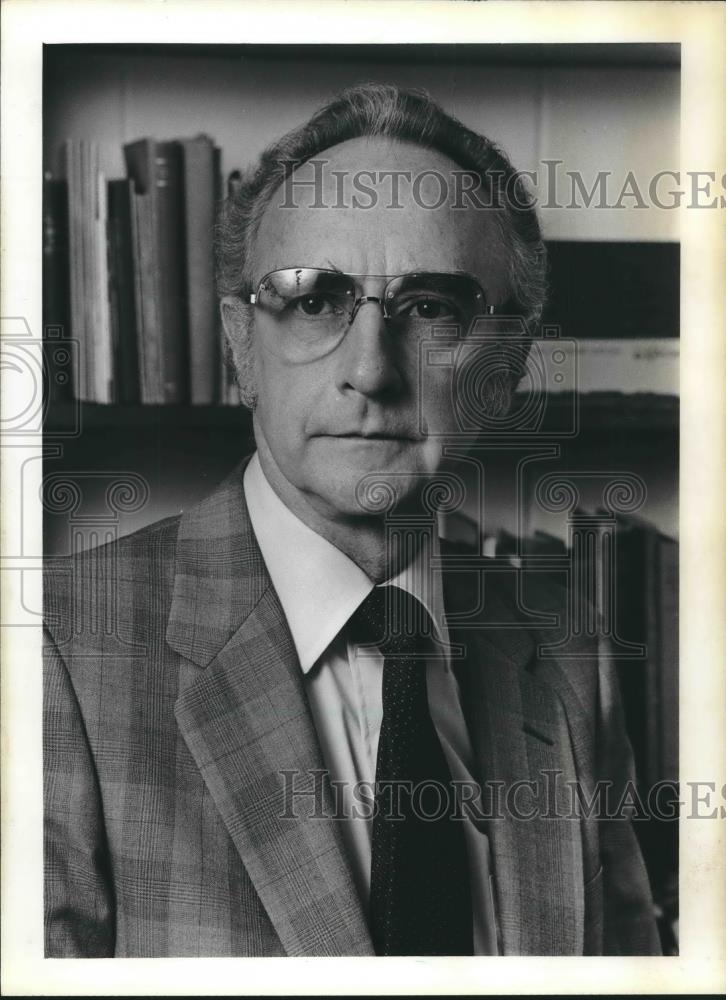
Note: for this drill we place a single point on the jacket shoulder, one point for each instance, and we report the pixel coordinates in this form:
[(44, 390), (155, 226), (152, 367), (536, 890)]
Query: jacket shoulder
[(519, 590), (94, 591), (534, 610)]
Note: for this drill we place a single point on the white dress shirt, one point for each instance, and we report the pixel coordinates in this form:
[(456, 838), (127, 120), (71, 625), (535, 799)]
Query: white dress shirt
[(319, 588)]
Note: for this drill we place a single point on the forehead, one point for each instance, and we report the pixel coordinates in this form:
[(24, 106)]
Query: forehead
[(378, 206)]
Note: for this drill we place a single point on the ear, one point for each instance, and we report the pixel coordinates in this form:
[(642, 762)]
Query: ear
[(235, 317), (237, 320)]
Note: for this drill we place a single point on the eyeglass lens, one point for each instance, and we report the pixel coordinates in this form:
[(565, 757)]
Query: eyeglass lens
[(314, 307)]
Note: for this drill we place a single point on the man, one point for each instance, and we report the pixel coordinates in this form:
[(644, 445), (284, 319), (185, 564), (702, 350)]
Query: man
[(290, 721)]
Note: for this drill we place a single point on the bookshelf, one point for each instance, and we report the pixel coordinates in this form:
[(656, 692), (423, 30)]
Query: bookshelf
[(98, 417), (581, 104)]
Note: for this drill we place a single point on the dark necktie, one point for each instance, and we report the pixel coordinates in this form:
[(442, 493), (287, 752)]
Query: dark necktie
[(420, 900)]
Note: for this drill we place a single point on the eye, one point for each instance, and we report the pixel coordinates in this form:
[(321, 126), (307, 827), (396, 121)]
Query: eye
[(430, 308), (314, 305)]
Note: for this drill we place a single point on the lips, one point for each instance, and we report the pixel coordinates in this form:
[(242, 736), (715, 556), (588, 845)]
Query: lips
[(374, 436)]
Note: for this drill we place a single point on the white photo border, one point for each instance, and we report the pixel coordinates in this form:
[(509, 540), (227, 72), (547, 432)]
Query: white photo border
[(701, 31)]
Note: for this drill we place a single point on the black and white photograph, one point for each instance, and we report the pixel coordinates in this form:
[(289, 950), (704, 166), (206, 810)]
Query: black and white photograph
[(359, 481)]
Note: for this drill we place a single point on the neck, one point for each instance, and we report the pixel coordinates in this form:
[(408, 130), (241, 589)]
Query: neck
[(366, 540)]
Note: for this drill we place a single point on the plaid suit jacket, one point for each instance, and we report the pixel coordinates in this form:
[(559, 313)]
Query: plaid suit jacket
[(174, 705)]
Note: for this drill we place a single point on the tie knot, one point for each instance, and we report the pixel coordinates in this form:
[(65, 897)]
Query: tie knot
[(394, 621)]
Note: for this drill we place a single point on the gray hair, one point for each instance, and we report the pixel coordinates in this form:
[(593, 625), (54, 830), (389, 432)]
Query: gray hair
[(410, 115)]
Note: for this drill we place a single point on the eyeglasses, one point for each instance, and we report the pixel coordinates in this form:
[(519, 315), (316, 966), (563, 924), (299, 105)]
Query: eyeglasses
[(314, 307)]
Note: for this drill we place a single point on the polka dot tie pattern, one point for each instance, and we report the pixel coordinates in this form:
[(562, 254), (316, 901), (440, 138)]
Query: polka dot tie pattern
[(420, 899)]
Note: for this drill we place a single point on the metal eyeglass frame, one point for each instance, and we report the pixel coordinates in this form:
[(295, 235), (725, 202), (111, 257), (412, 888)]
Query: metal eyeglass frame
[(487, 310)]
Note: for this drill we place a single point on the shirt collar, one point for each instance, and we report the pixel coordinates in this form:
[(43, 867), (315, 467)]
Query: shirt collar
[(318, 585)]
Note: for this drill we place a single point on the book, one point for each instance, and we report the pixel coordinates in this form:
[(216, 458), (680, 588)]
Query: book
[(634, 623), (104, 390), (122, 289), (146, 296), (668, 588), (229, 392), (201, 162), (460, 527), (648, 608), (89, 309), (546, 556), (631, 365), (647, 614), (56, 287), (542, 543), (509, 546), (668, 713), (86, 267), (609, 289), (71, 156), (156, 170)]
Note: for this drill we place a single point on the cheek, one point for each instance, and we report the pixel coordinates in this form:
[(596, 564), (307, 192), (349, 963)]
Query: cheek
[(278, 405), (287, 400), (436, 411)]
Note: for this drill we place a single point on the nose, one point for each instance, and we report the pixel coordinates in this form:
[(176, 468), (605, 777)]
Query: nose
[(367, 363)]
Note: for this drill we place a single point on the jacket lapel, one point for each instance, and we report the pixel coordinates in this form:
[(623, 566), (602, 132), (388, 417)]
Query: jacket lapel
[(245, 718), (246, 721), (520, 734)]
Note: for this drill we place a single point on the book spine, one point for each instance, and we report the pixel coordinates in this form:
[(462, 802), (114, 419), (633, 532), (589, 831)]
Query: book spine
[(72, 169), (141, 348), (623, 365), (149, 296), (87, 270), (103, 348), (630, 621), (668, 680), (228, 388), (140, 168), (113, 292), (200, 202), (653, 656), (56, 280), (220, 387), (122, 293), (170, 249)]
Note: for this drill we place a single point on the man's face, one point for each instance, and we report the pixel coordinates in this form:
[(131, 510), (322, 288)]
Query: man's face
[(322, 425)]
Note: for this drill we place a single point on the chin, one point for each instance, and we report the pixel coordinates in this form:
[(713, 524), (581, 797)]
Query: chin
[(373, 489)]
